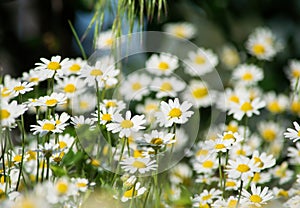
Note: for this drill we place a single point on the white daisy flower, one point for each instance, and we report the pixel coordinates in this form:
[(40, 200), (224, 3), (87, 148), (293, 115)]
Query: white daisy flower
[(293, 202), (238, 150), (229, 56), (9, 112), (247, 74), (231, 137), (231, 202), (218, 145), (293, 134), (112, 103), (74, 66), (167, 87), (261, 178), (65, 142), (60, 191), (173, 113), (199, 94), (106, 115), (270, 131), (6, 94), (149, 108), (17, 87), (163, 64), (246, 107), (53, 100), (140, 165), (242, 168), (263, 160), (232, 184), (282, 173), (257, 196), (34, 76), (157, 139), (71, 86), (103, 72), (105, 40), (81, 184), (206, 197), (205, 163), (180, 29), (180, 173), (293, 154), (282, 193), (135, 86), (83, 103), (126, 126), (78, 121), (133, 192), (54, 66), (45, 126), (276, 103), (200, 62)]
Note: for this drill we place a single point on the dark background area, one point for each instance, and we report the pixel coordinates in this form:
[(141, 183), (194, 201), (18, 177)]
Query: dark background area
[(31, 29)]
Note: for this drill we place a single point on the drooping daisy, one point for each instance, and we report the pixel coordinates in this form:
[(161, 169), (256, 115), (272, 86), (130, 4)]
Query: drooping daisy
[(9, 112), (242, 167), (282, 193), (133, 192), (74, 67), (229, 56), (257, 196), (180, 29), (276, 103), (293, 134), (199, 94), (163, 64), (157, 139), (140, 165), (167, 87), (263, 44), (247, 74), (105, 40), (261, 178), (52, 100), (102, 73), (135, 86), (263, 160), (174, 113), (270, 131), (71, 86), (125, 126), (293, 154), (206, 197), (246, 107), (200, 62), (52, 67), (295, 106), (283, 173)]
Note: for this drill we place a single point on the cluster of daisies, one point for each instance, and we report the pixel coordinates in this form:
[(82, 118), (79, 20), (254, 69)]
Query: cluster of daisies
[(70, 127)]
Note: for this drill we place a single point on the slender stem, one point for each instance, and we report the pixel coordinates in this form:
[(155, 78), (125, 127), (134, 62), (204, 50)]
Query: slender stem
[(220, 170), (156, 186), (120, 158), (240, 194)]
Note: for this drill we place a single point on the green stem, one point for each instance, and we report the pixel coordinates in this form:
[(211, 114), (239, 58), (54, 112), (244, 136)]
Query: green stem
[(120, 158), (240, 194), (220, 170)]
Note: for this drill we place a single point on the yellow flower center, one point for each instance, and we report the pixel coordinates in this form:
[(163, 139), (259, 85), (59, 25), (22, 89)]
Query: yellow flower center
[(96, 72), (70, 88), (207, 197), (81, 185), (151, 107), (129, 193), (256, 177), (247, 76), (111, 104), (5, 92), (175, 112), (298, 133), (230, 184), (179, 32), (269, 135), (75, 68), (255, 198), (109, 41), (296, 73), (166, 86), (203, 205), (243, 168), (232, 203), (246, 107), (138, 164), (200, 60), (62, 187), (136, 86), (232, 128), (219, 146), (258, 49), (137, 153), (240, 152), (274, 107), (234, 98), (4, 114), (163, 66), (208, 164), (200, 92), (126, 124), (48, 127), (295, 107), (17, 158), (34, 79), (53, 65), (26, 203), (83, 104), (228, 136), (283, 193), (51, 102), (95, 163), (202, 152), (19, 88), (32, 155), (156, 141), (106, 117), (62, 144)]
